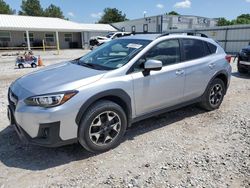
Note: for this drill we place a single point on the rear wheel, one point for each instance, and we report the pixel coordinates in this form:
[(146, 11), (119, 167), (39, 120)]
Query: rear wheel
[(214, 95), (20, 66), (102, 127)]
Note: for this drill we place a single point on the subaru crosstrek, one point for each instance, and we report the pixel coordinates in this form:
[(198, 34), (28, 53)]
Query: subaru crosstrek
[(94, 99)]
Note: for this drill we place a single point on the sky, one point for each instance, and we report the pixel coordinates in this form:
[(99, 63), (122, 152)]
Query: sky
[(90, 11)]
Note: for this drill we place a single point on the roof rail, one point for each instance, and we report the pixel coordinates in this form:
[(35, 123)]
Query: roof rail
[(191, 33)]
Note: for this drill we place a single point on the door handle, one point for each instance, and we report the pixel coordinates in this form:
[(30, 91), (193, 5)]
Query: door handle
[(212, 65), (179, 72)]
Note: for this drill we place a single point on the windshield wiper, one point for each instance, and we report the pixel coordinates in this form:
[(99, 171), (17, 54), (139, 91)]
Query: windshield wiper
[(86, 64), (94, 66)]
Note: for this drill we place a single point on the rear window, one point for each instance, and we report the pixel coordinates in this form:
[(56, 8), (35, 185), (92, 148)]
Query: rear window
[(193, 49)]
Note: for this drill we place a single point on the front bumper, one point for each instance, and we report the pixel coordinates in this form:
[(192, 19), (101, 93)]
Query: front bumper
[(244, 64), (48, 134)]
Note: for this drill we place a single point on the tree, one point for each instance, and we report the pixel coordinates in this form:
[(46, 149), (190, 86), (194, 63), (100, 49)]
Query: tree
[(112, 15), (5, 8), (223, 22), (31, 8), (173, 13), (53, 11), (242, 19)]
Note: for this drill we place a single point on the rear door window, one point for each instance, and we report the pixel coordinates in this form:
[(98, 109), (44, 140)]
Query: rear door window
[(194, 49)]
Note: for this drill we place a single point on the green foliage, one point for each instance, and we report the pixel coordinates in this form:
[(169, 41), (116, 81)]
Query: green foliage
[(31, 8), (112, 15), (53, 11), (5, 8), (242, 19), (223, 22), (173, 13)]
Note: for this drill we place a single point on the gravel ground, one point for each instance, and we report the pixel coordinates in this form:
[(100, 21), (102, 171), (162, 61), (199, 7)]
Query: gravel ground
[(184, 148)]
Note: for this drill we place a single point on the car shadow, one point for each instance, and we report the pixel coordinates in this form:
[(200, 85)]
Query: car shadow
[(240, 75), (15, 154)]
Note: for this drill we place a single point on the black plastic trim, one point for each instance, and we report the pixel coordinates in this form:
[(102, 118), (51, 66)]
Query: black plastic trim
[(121, 94), (53, 139), (165, 110), (223, 72)]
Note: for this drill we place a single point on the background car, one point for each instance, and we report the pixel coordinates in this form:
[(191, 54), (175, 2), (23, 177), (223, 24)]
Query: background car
[(99, 40), (244, 60)]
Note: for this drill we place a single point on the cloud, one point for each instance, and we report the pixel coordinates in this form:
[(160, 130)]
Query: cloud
[(96, 15), (184, 4), (160, 6), (248, 1), (71, 14)]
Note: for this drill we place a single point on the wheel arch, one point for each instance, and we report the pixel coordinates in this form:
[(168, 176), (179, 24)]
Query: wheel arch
[(117, 96), (223, 75)]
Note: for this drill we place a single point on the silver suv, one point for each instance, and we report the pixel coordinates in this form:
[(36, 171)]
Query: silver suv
[(94, 99)]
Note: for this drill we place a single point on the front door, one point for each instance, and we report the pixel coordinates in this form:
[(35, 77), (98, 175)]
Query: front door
[(162, 88)]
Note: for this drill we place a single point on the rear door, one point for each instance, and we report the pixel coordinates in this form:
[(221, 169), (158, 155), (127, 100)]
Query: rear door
[(200, 66)]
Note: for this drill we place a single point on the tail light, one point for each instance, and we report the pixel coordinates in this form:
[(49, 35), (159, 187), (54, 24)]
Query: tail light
[(228, 58)]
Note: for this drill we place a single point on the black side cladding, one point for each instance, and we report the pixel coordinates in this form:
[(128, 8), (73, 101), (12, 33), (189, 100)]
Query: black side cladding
[(116, 95)]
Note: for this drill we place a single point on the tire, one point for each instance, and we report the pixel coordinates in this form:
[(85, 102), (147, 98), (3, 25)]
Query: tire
[(20, 66), (33, 65), (102, 127), (214, 95)]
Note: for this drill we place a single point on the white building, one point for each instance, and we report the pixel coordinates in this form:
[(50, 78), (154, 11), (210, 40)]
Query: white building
[(32, 32), (163, 23)]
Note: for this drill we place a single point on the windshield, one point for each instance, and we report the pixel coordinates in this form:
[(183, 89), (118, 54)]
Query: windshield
[(110, 35), (113, 54)]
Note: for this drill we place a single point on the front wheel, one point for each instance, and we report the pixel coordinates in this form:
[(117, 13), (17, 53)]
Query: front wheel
[(20, 66), (102, 127), (33, 65), (214, 95)]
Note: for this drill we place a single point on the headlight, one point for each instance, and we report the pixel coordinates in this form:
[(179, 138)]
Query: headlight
[(50, 100)]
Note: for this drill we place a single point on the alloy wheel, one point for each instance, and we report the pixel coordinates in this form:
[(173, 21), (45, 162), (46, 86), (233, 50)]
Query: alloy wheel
[(105, 128), (216, 95)]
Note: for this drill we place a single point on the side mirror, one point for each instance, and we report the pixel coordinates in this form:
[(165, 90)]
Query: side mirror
[(151, 65)]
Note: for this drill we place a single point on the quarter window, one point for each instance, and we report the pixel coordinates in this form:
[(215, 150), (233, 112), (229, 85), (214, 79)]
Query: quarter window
[(212, 48), (193, 49), (4, 37), (49, 37)]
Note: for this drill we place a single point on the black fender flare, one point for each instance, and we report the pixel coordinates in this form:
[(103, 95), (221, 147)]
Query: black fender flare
[(222, 72), (108, 94)]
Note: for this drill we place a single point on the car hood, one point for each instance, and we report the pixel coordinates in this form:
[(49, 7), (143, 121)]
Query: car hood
[(59, 77)]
